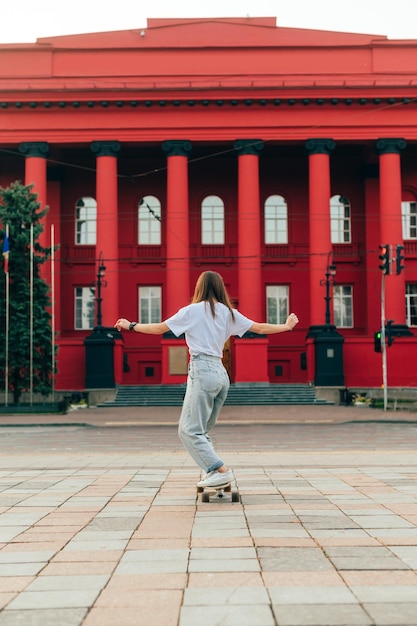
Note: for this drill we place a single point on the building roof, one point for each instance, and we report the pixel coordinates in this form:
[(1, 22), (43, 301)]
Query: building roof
[(183, 66), (211, 33)]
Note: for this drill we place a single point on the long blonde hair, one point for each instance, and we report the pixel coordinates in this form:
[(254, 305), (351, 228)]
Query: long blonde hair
[(210, 288)]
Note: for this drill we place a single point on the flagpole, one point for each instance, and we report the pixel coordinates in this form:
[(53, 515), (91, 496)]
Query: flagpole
[(6, 377), (31, 317), (53, 308)]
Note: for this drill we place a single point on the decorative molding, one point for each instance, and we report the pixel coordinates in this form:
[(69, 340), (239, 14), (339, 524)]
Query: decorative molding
[(390, 146), (292, 102), (105, 148), (248, 146), (34, 149), (320, 146), (177, 147)]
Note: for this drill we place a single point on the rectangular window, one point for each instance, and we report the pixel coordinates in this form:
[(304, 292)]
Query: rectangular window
[(340, 220), (85, 221), (149, 305), (149, 231), (84, 308), (277, 304), (411, 304), (409, 219), (343, 306)]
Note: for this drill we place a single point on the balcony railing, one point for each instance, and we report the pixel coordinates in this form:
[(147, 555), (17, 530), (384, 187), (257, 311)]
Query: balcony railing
[(226, 254), (347, 253), (136, 254), (410, 248), (72, 254), (284, 253)]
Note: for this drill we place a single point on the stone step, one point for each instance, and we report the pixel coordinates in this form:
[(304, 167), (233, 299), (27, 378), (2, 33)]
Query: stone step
[(251, 394)]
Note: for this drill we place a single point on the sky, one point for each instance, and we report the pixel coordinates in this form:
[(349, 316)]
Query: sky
[(23, 21)]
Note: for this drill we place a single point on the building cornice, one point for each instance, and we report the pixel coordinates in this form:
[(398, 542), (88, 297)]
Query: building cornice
[(42, 104)]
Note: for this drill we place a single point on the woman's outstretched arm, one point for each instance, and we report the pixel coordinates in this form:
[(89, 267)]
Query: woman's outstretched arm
[(263, 328), (149, 329)]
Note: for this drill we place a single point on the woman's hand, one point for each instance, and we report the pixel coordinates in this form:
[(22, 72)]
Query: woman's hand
[(292, 321), (122, 324)]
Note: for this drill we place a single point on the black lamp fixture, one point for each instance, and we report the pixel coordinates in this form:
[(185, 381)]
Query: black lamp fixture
[(330, 280), (100, 283)]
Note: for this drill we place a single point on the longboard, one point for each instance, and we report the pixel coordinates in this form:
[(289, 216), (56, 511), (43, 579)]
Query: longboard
[(218, 492)]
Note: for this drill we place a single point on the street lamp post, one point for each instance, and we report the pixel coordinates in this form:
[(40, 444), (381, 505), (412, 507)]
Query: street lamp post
[(100, 283), (99, 346), (330, 274), (328, 342)]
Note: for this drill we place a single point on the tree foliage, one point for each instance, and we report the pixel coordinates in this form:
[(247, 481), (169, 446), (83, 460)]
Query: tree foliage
[(19, 209)]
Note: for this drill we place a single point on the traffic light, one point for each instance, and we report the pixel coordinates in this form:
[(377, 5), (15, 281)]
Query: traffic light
[(392, 331), (389, 332), (399, 258), (385, 258)]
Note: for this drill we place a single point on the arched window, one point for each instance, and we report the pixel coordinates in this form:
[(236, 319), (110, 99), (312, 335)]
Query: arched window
[(149, 221), (276, 220), (212, 220), (85, 221), (340, 219)]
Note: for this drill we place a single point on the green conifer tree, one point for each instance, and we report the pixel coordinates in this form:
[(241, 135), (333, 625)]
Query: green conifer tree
[(19, 209)]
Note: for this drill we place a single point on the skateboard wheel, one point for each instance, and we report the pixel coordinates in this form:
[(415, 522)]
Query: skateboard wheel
[(228, 489), (205, 497), (235, 496), (200, 489)]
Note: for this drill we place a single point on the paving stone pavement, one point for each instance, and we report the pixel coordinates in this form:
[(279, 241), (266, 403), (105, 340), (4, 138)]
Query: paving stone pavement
[(100, 524)]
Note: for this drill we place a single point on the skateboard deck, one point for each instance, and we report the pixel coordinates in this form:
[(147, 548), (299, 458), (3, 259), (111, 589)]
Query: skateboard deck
[(218, 492)]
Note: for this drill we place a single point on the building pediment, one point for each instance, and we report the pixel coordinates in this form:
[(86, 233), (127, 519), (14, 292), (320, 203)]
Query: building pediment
[(210, 33), (212, 57)]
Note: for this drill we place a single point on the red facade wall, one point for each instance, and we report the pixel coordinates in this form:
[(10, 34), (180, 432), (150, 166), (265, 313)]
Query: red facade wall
[(213, 82)]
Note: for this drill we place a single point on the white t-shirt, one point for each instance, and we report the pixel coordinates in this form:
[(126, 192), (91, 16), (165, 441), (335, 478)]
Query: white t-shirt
[(204, 333)]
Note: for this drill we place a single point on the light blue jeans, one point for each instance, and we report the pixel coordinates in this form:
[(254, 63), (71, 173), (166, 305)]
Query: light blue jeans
[(207, 387)]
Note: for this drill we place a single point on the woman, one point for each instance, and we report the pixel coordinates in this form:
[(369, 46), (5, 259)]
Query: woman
[(207, 322)]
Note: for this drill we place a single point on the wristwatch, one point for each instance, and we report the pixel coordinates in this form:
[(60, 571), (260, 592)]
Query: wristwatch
[(132, 325)]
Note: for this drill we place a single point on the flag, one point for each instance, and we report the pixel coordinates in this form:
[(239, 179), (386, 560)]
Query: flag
[(6, 251)]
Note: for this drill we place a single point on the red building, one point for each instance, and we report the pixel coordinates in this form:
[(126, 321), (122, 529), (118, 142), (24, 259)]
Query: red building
[(268, 154)]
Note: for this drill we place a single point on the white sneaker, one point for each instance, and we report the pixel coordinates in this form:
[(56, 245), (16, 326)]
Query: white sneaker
[(216, 479), (207, 475)]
